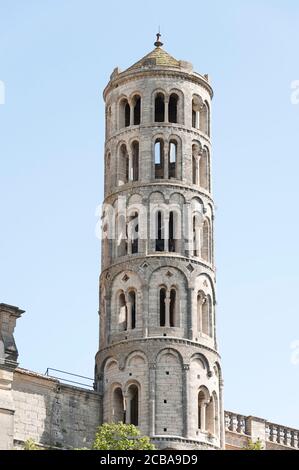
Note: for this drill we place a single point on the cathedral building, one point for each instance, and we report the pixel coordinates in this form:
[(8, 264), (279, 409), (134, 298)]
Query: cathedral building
[(158, 365)]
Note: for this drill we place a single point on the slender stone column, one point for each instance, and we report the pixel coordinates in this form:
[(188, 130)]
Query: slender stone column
[(192, 320), (152, 399), (186, 400), (129, 313), (131, 114), (167, 309), (130, 156), (166, 233), (166, 110), (166, 160)]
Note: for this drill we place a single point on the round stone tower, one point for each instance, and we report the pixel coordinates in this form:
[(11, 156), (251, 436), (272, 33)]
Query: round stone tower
[(158, 366)]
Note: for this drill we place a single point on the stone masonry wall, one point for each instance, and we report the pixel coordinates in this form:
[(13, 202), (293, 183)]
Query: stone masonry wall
[(52, 413)]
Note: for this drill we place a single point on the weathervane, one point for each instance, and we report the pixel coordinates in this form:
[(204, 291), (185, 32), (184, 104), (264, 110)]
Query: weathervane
[(158, 43)]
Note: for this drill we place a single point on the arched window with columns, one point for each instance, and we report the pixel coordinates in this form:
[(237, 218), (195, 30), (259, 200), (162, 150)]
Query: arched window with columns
[(210, 416), (124, 113), (136, 104), (172, 307), (204, 170), (207, 408), (173, 108), (206, 241), (196, 235), (133, 405), (159, 107), (172, 159), (132, 309), (133, 233), (205, 122), (123, 165), (168, 306), (196, 157), (202, 401), (122, 312), (127, 310), (172, 233), (196, 112), (135, 161), (204, 314), (118, 412), (162, 301), (160, 242), (159, 159), (121, 241)]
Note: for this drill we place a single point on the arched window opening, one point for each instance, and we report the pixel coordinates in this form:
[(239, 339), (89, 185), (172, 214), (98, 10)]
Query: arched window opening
[(106, 244), (172, 159), (124, 113), (201, 299), (205, 124), (132, 302), (194, 169), (196, 113), (205, 317), (137, 110), (122, 241), (216, 411), (172, 241), (123, 313), (133, 230), (135, 161), (172, 308), (133, 404), (193, 117), (206, 252), (127, 114), (162, 306), (159, 159), (173, 108), (159, 108), (210, 416), (204, 170), (160, 243), (201, 411), (196, 158), (123, 172), (196, 236), (108, 161), (118, 413), (109, 121)]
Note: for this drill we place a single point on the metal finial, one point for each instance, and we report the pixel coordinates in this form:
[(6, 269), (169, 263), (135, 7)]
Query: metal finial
[(158, 43)]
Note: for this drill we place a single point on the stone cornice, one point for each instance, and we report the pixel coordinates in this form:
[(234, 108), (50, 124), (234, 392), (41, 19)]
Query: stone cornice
[(158, 255), (127, 188), (163, 339), (163, 72), (156, 125)]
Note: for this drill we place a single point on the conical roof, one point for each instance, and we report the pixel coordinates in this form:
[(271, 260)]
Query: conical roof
[(157, 57)]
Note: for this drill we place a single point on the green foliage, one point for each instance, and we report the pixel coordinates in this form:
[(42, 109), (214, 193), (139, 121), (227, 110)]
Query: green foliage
[(257, 445), (30, 445), (120, 436)]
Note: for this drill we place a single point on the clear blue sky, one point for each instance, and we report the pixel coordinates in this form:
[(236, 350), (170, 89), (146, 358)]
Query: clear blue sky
[(55, 58)]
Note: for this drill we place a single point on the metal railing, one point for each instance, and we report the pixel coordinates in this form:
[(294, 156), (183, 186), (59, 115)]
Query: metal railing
[(89, 385)]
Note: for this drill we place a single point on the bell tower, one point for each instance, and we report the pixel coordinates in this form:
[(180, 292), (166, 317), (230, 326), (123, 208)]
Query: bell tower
[(158, 365)]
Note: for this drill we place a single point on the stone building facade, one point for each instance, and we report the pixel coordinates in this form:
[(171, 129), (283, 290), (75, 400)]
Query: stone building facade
[(158, 365)]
